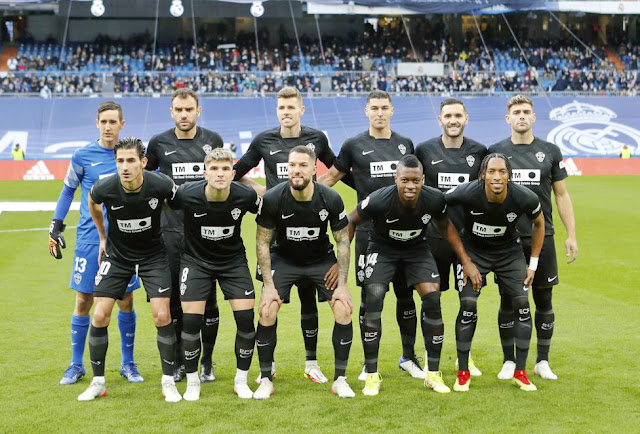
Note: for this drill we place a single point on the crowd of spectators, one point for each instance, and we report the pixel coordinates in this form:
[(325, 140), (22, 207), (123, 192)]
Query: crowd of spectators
[(355, 64)]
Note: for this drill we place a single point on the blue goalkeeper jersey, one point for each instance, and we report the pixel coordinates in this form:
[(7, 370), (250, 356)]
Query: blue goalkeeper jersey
[(88, 164)]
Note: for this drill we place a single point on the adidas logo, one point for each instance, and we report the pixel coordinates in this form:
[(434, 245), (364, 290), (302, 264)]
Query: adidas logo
[(572, 167), (39, 172)]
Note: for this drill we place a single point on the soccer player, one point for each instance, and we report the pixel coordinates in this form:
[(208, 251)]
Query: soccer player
[(296, 215), (449, 160), (400, 214), (492, 206), (179, 153), (537, 165), (373, 156), (88, 164), (133, 246), (213, 250), (272, 146)]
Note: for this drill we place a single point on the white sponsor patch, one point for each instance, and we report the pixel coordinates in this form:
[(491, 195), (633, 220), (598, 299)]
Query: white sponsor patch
[(449, 180), (216, 233), (526, 176), (488, 231), (134, 225), (187, 170), (303, 234), (381, 169), (404, 235), (282, 170)]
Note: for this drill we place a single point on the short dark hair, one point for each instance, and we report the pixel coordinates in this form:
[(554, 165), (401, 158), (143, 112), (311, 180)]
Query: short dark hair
[(110, 105), (485, 163), (410, 161), (451, 101), (378, 94), (302, 149), (183, 93), (130, 143)]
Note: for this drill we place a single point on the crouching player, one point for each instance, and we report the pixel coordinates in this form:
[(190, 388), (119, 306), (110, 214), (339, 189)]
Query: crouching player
[(400, 214), (213, 250), (133, 246)]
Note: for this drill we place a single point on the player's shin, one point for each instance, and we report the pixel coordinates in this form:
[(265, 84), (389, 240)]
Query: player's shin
[(506, 327), (407, 321), (266, 343), (466, 326), (176, 319), (127, 327), (210, 327), (98, 344), (309, 320), (342, 339), (79, 330), (522, 331), (432, 329), (167, 347), (191, 345), (245, 338), (545, 320), (372, 326)]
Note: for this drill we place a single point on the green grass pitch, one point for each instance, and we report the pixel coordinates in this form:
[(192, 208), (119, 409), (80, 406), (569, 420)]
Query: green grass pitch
[(595, 348)]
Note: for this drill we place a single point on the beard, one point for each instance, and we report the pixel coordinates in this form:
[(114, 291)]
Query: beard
[(300, 187), (189, 127)]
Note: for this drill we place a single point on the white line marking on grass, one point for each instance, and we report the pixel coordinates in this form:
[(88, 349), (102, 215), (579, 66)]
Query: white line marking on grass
[(31, 229), (34, 206)]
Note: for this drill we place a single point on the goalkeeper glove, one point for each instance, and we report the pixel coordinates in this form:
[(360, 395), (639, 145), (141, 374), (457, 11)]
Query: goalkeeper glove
[(56, 239)]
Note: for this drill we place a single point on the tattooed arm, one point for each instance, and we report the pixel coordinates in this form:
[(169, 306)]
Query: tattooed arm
[(344, 251), (269, 292)]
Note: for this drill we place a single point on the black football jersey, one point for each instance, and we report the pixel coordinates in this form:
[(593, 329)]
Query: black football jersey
[(134, 218), (396, 226), (212, 229), (301, 227), (445, 168), (182, 160), (492, 225), (373, 161), (536, 166), (270, 147)]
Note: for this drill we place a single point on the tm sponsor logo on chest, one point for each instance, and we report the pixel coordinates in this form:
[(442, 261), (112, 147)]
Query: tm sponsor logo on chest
[(380, 169), (282, 170), (216, 233), (303, 234), (488, 231), (134, 225), (449, 180), (187, 170), (526, 176)]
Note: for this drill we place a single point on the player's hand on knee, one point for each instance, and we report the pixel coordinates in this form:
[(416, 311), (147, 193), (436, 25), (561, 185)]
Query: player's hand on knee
[(343, 296), (268, 297), (471, 272), (571, 249), (331, 278), (56, 239), (530, 275)]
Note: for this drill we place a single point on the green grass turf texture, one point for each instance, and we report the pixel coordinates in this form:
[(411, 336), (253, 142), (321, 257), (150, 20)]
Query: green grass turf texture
[(594, 351)]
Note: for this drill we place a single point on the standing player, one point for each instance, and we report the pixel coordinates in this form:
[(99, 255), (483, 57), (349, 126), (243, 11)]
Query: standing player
[(373, 156), (88, 164), (450, 160), (492, 206), (133, 247), (272, 146), (179, 153), (537, 165), (400, 214), (213, 250), (296, 215)]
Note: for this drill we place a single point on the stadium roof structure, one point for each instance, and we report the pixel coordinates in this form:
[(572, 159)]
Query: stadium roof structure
[(391, 7)]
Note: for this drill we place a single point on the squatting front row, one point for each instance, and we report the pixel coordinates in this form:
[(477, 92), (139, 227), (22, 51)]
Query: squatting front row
[(406, 232)]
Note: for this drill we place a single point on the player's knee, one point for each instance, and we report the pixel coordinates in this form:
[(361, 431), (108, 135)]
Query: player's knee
[(126, 304), (521, 307), (162, 316), (375, 296), (269, 318), (542, 299), (101, 318), (244, 320), (83, 305)]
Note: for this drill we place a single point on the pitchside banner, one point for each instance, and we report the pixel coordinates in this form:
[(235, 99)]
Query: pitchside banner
[(582, 127)]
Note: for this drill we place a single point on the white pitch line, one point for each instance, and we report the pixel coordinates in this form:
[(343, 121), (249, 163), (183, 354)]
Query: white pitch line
[(30, 229), (34, 206)]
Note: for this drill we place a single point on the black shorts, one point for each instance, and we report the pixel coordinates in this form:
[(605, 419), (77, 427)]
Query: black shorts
[(360, 259), (114, 276), (547, 272), (303, 287), (197, 281), (415, 265), (286, 274), (445, 259), (507, 264)]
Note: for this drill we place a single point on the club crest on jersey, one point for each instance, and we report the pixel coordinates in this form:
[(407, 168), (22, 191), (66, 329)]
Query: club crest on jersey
[(235, 213), (471, 160), (311, 146), (540, 156), (207, 149), (368, 271), (183, 288), (77, 278), (323, 214), (402, 148), (153, 203), (426, 218), (512, 216)]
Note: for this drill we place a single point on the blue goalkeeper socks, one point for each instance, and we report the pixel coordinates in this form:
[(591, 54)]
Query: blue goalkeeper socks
[(127, 326), (79, 330)]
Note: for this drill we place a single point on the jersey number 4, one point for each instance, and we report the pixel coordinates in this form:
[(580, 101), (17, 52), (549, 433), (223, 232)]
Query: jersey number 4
[(372, 259)]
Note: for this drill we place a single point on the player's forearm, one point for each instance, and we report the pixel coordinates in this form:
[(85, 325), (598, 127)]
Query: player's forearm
[(537, 236), (258, 188), (263, 243), (98, 218), (331, 177), (344, 253), (64, 202), (565, 210), (454, 240)]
